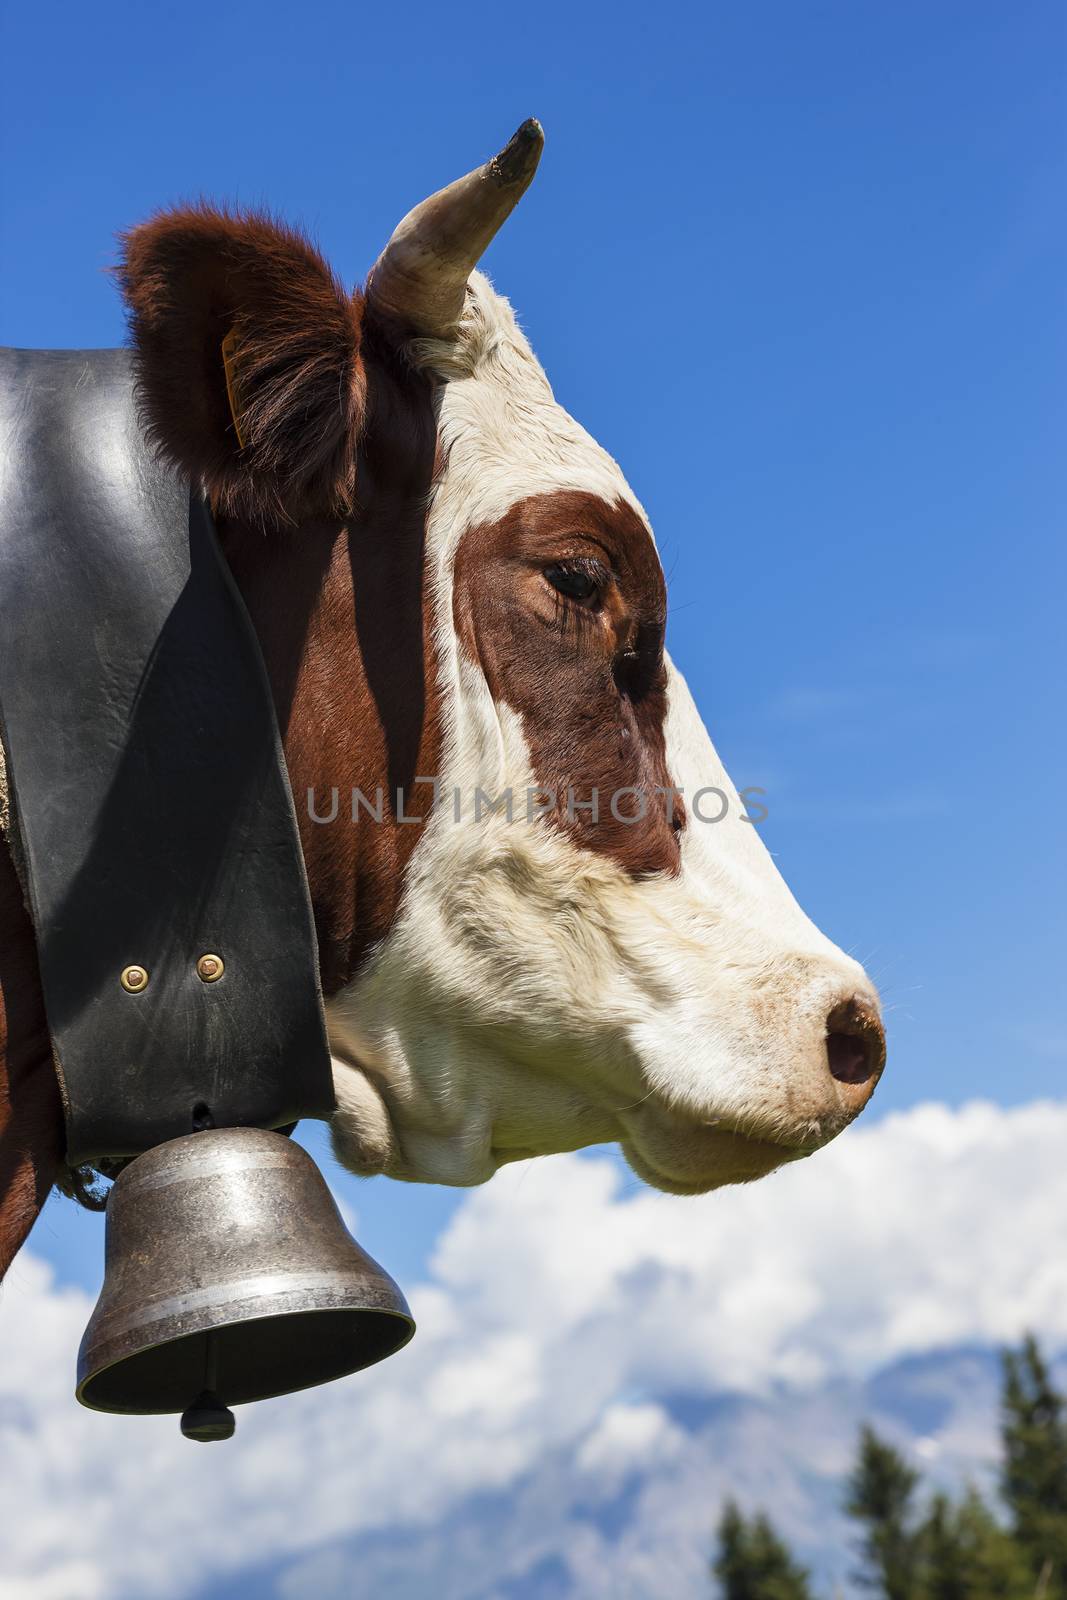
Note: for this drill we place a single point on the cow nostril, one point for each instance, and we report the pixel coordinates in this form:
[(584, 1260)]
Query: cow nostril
[(848, 1058), (855, 1042)]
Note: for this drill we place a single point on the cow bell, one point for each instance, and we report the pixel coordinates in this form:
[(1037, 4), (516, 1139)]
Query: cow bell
[(230, 1277)]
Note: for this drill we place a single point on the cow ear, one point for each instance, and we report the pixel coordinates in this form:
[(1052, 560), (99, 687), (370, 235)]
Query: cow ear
[(247, 354)]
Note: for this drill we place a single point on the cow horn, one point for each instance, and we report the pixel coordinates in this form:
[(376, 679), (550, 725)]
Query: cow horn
[(420, 278)]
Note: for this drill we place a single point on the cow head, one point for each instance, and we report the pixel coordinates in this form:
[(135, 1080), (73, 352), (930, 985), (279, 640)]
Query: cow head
[(566, 947)]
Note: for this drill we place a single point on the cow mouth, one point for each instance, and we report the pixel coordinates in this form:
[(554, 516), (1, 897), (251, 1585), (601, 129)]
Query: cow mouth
[(688, 1158)]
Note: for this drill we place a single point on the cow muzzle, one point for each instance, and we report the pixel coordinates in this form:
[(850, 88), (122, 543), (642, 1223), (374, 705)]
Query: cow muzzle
[(761, 1111)]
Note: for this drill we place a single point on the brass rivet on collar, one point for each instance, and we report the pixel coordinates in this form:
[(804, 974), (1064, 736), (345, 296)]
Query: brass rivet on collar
[(134, 979), (210, 968)]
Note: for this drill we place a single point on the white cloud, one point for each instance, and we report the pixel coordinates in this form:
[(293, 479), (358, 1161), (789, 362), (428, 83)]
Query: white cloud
[(628, 1437), (564, 1304)]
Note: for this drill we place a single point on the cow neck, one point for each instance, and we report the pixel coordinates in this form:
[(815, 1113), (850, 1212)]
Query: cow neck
[(344, 625), (31, 1116)]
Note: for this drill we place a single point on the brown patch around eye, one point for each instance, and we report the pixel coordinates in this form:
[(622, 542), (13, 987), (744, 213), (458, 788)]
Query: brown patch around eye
[(585, 670)]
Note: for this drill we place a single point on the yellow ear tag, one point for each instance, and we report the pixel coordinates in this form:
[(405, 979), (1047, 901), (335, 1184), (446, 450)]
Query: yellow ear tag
[(229, 347)]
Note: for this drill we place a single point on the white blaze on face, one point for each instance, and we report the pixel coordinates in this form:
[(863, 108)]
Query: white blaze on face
[(533, 996)]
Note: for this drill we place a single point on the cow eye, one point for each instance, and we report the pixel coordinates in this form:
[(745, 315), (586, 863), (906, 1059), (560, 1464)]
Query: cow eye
[(577, 580)]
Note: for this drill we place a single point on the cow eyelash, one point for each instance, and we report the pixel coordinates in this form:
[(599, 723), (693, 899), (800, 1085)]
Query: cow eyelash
[(580, 579)]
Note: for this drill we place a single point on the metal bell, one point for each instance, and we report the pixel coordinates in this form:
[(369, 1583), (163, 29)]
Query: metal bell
[(230, 1277)]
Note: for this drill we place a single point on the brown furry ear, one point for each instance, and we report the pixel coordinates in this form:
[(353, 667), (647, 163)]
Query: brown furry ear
[(195, 277)]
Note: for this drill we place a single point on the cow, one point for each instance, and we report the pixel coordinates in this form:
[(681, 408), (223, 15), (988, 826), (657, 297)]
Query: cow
[(460, 606)]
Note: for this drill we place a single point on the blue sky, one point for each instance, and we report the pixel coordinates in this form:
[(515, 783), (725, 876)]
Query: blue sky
[(800, 268)]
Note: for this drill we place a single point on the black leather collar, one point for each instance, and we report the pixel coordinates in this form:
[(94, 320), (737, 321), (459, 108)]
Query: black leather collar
[(152, 806)]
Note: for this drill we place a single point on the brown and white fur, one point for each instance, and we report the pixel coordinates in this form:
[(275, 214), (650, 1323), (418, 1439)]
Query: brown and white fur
[(397, 504)]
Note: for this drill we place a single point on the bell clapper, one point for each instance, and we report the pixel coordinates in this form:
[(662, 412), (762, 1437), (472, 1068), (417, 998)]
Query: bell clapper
[(207, 1419)]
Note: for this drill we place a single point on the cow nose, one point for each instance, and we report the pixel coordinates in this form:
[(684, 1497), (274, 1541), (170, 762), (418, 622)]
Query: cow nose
[(855, 1047)]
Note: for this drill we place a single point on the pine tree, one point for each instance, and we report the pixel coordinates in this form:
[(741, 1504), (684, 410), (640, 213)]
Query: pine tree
[(1034, 1475), (944, 1577), (967, 1555), (958, 1550), (880, 1494), (753, 1563)]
